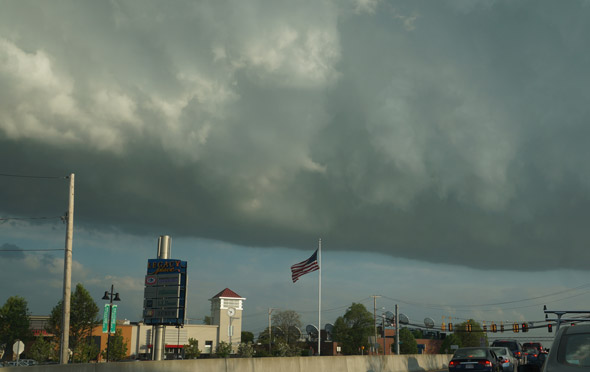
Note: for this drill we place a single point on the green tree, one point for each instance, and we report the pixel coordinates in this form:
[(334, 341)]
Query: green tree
[(247, 337), (276, 334), (281, 349), (246, 350), (223, 349), (408, 344), (191, 351), (207, 320), (417, 333), (475, 337), (289, 322), (83, 318), (450, 340), (43, 350), (14, 323), (85, 352), (117, 347), (353, 329)]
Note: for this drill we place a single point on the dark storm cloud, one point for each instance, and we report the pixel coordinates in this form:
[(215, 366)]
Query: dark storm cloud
[(450, 132)]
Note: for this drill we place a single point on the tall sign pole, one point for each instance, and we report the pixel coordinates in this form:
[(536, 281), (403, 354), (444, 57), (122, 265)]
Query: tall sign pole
[(163, 253), (164, 294), (67, 288)]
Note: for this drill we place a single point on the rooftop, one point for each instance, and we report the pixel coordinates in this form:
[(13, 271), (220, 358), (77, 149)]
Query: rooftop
[(227, 293)]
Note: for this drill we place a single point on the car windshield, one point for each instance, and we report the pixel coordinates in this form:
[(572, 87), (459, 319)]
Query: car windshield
[(577, 349), (470, 353), (507, 344), (500, 350)]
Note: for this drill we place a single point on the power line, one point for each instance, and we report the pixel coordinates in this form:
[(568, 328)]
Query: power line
[(30, 250), (336, 308), (440, 307), (531, 298), (29, 218), (31, 176), (449, 308)]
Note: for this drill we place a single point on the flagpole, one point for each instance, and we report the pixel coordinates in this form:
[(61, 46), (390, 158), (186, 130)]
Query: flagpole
[(319, 296)]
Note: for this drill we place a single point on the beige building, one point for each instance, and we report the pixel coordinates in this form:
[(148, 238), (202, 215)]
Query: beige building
[(226, 319), (226, 312)]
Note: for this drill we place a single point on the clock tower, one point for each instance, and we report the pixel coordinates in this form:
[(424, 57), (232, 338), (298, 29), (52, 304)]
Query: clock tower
[(226, 312)]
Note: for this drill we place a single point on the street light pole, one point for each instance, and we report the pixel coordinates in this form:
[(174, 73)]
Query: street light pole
[(396, 330), (109, 296)]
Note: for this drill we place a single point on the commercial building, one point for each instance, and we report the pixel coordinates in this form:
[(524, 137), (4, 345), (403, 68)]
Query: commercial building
[(226, 318)]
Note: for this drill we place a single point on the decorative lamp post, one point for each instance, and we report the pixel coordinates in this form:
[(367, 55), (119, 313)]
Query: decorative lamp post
[(109, 297)]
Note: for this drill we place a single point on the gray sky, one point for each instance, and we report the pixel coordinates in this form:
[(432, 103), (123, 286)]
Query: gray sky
[(447, 132)]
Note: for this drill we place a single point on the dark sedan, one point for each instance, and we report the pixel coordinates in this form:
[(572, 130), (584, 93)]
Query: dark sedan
[(531, 356), (474, 359)]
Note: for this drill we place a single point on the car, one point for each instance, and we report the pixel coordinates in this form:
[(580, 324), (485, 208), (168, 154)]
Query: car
[(570, 351), (531, 356), (474, 359), (514, 346), (534, 345), (508, 361)]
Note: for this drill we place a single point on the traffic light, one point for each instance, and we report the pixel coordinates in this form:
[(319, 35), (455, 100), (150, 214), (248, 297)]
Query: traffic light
[(485, 328), (502, 327), (450, 327), (573, 324), (443, 327), (469, 327), (515, 328), (525, 327), (494, 328), (549, 328)]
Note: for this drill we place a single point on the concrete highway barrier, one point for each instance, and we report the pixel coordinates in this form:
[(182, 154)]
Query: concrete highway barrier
[(357, 363)]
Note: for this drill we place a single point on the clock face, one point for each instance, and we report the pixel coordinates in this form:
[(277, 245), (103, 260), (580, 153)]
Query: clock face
[(231, 311)]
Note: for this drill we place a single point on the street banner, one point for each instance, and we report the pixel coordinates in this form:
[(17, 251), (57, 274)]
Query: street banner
[(113, 318), (105, 318)]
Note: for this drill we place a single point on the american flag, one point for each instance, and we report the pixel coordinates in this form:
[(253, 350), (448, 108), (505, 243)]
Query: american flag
[(305, 267)]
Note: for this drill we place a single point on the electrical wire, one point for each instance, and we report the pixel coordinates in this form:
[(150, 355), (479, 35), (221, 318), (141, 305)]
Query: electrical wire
[(336, 308), (30, 250), (438, 307), (29, 218), (531, 298), (30, 176), (305, 311)]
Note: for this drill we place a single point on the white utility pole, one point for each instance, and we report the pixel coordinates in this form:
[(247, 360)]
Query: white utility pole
[(67, 289), (270, 309), (373, 347)]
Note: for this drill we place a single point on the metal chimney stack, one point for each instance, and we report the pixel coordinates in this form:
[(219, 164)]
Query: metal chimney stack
[(164, 247)]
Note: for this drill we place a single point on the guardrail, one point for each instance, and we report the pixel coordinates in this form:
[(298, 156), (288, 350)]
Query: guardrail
[(387, 363)]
